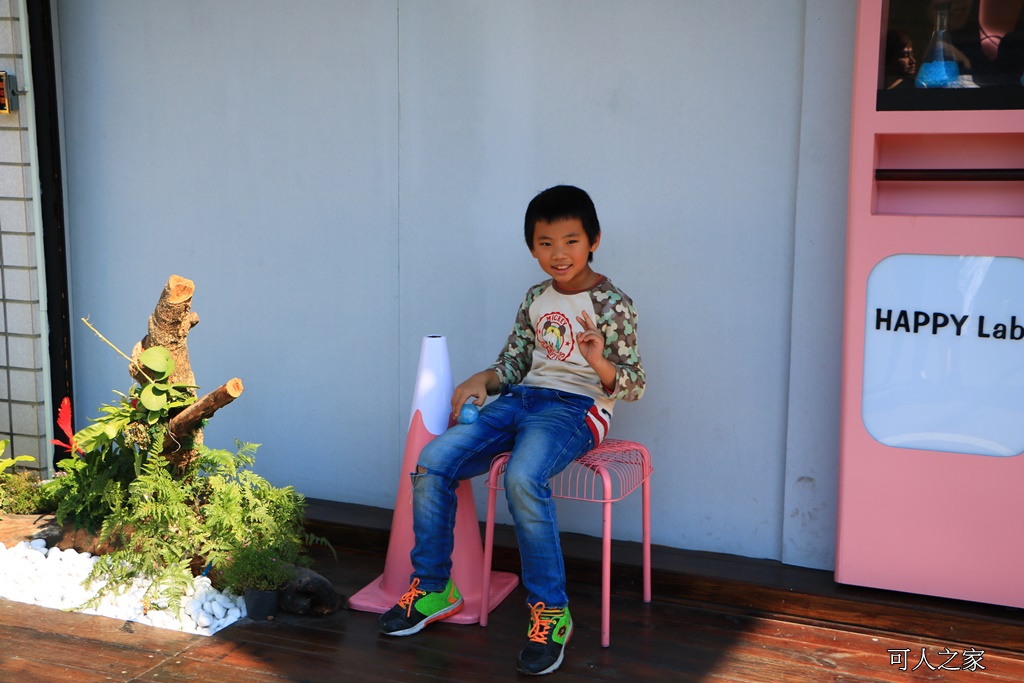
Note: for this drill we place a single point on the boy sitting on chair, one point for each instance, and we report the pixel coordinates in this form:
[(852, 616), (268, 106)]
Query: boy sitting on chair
[(571, 354)]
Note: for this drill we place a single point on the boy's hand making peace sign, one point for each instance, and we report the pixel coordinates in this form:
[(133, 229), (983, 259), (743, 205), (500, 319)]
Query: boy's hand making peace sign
[(591, 345)]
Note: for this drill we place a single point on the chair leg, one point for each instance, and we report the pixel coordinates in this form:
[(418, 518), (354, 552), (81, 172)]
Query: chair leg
[(606, 576), (647, 538)]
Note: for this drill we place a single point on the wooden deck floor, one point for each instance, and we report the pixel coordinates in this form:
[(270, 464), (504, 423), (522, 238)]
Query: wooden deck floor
[(713, 619)]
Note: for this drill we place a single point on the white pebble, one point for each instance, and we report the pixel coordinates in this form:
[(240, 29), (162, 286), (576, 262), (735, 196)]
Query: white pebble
[(217, 609), (52, 578), (192, 607)]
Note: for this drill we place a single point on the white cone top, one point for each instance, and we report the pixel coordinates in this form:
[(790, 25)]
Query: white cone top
[(434, 386)]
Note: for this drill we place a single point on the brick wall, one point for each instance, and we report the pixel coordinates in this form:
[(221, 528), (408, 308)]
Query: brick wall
[(23, 410)]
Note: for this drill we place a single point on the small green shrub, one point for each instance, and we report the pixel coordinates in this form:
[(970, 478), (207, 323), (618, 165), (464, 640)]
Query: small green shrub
[(17, 489), (258, 568), (20, 493)]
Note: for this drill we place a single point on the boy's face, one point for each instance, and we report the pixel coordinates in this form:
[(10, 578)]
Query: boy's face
[(562, 249)]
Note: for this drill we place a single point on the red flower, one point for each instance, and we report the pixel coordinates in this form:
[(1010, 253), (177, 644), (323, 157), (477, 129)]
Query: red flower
[(64, 422)]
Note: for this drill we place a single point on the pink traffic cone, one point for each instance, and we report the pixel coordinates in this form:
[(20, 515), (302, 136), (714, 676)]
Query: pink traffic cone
[(431, 411)]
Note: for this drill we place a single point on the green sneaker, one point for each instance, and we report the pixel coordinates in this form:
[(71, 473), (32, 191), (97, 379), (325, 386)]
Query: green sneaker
[(418, 608), (549, 632)]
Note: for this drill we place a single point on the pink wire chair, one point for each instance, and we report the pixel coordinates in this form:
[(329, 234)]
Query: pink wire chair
[(605, 475)]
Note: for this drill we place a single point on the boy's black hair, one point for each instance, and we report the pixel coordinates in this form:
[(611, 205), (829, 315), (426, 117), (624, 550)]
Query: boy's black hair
[(560, 202)]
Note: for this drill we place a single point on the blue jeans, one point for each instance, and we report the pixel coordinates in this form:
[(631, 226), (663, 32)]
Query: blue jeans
[(545, 430)]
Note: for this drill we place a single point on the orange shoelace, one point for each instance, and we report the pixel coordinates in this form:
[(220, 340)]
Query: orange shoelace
[(410, 597), (541, 621)]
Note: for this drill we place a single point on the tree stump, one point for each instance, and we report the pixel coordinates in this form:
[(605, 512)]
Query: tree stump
[(169, 326)]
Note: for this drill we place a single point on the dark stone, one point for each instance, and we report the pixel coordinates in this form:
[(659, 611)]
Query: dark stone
[(52, 533), (310, 593)]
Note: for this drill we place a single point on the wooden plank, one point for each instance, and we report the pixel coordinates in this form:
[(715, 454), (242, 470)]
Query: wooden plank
[(687, 576), (90, 657), (26, 671), (72, 653), (1005, 633), (191, 671), (93, 628), (719, 630), (775, 644)]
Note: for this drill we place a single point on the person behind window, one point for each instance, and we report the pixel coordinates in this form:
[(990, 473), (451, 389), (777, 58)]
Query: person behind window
[(900, 63)]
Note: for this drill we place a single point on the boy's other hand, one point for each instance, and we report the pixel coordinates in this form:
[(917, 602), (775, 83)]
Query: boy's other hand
[(476, 389)]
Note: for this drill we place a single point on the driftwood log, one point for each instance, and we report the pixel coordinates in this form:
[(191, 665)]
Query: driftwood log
[(169, 325)]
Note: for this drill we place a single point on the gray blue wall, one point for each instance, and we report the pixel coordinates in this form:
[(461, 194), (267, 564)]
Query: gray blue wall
[(342, 178)]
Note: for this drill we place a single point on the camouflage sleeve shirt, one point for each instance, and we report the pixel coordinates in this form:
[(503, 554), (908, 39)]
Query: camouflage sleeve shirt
[(541, 350)]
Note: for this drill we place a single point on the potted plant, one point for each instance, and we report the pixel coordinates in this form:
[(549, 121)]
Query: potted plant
[(257, 573)]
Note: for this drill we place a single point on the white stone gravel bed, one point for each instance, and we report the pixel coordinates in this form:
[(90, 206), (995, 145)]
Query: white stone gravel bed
[(33, 574)]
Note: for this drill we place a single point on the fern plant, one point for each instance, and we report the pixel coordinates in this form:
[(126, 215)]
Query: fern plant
[(155, 529), (92, 486), (243, 508)]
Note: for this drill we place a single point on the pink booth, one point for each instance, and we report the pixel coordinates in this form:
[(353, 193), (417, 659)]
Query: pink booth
[(931, 478)]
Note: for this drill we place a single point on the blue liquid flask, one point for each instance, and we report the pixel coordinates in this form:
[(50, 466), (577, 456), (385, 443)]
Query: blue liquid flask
[(938, 65)]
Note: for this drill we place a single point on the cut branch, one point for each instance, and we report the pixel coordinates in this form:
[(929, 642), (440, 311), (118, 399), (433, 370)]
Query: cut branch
[(188, 420)]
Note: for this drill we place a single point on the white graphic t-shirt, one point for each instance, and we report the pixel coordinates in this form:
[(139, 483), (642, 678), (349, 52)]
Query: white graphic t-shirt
[(541, 350)]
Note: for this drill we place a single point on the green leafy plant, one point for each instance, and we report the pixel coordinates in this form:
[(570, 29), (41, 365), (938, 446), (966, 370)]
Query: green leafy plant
[(9, 462), (154, 527), (168, 522), (146, 404), (110, 453)]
